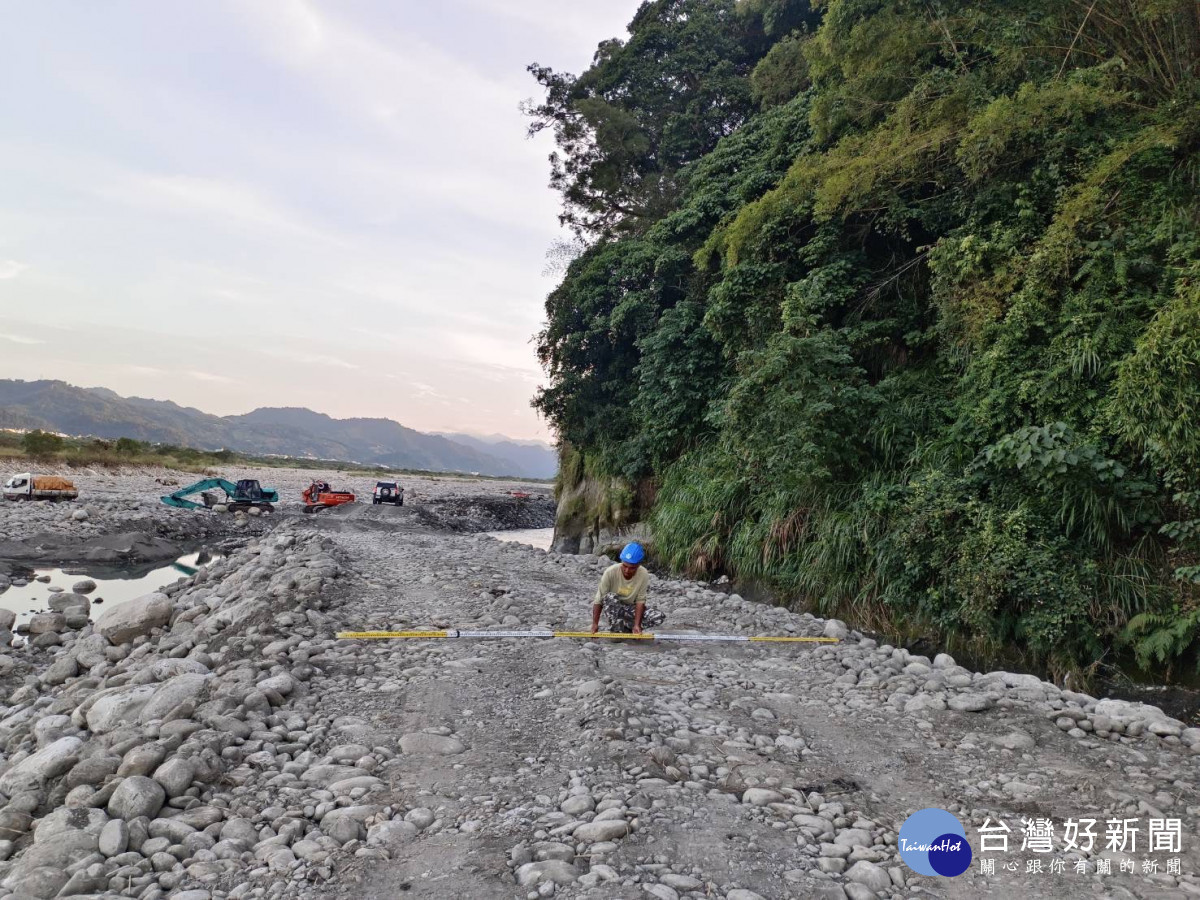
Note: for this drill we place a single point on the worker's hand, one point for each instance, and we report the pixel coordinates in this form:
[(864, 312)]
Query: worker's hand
[(637, 629)]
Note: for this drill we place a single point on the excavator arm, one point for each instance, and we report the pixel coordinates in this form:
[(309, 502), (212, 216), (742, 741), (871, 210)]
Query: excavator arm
[(179, 498)]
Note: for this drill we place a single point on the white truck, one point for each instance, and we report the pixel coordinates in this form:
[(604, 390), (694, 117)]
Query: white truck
[(27, 486)]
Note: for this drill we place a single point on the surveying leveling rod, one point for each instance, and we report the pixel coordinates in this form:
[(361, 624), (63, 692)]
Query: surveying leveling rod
[(645, 636)]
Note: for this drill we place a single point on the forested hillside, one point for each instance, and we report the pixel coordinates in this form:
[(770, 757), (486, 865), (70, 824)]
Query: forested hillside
[(895, 306)]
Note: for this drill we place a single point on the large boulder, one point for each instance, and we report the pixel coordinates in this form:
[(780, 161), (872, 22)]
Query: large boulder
[(420, 744), (282, 684), (121, 707), (327, 775), (391, 834), (238, 829), (347, 823), (43, 881), (67, 819), (142, 760), (114, 838), (60, 670), (177, 697), (60, 850), (35, 770), (64, 601), (761, 797), (90, 650), (163, 669), (136, 796), (45, 622), (92, 771), (133, 618), (603, 830), (48, 729), (871, 875), (554, 870), (1020, 680), (175, 775), (1126, 711)]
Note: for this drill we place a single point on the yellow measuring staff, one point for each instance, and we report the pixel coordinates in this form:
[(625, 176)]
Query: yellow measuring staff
[(605, 635)]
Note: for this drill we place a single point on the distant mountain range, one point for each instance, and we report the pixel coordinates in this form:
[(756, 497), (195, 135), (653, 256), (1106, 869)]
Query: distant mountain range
[(287, 431), (531, 456)]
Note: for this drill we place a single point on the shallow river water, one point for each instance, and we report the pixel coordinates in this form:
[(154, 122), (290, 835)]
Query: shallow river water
[(535, 537), (113, 586)]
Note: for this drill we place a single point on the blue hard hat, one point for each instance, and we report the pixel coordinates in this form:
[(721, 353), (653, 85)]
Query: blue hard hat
[(633, 554)]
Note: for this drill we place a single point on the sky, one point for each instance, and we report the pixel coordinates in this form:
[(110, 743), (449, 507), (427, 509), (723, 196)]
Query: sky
[(285, 203)]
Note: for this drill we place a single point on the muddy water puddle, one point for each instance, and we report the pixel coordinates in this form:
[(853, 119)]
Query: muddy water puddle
[(540, 538), (113, 585)]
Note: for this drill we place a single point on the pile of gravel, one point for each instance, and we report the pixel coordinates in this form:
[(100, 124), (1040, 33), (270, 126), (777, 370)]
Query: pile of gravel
[(488, 513), (173, 745)]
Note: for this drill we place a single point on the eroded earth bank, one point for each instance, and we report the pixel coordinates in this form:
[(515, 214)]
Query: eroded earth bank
[(215, 739)]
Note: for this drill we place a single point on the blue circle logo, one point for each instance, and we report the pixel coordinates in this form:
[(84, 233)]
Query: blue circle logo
[(933, 842)]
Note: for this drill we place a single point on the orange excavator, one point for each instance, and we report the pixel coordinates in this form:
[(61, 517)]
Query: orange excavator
[(319, 495)]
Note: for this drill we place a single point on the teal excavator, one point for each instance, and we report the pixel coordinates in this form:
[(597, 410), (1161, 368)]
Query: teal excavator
[(242, 496)]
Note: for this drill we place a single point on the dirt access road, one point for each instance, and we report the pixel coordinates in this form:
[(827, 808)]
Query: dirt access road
[(575, 769)]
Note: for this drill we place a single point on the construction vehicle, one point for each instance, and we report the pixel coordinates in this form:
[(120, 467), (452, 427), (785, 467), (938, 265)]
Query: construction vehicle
[(240, 497), (319, 495), (388, 492), (27, 486)]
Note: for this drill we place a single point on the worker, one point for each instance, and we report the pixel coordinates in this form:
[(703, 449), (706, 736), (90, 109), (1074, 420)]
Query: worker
[(621, 594)]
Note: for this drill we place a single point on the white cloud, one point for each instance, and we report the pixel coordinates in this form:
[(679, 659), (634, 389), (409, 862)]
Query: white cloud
[(492, 351), (359, 65), (576, 23), (209, 376), (10, 268), (312, 359), (299, 24), (222, 200), (20, 339), (421, 389)]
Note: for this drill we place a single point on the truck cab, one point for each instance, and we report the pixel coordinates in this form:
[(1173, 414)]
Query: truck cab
[(18, 487)]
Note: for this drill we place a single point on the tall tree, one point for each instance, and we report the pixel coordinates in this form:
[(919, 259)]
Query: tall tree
[(651, 104)]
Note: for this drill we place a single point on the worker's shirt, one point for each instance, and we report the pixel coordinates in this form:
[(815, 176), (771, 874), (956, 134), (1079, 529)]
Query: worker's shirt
[(613, 582)]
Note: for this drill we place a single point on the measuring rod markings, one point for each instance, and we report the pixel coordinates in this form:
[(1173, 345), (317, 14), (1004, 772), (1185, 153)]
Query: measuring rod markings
[(605, 635)]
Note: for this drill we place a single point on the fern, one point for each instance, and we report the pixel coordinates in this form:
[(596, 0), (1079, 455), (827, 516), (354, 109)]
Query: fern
[(1164, 638)]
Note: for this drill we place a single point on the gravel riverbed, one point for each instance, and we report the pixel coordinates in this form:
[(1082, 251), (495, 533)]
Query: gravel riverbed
[(216, 740)]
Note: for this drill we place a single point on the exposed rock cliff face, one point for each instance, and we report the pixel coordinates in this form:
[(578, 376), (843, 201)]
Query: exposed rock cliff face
[(596, 513), (575, 531)]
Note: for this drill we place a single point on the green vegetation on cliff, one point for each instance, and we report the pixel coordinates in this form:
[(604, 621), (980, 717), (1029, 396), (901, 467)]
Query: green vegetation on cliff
[(896, 307)]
